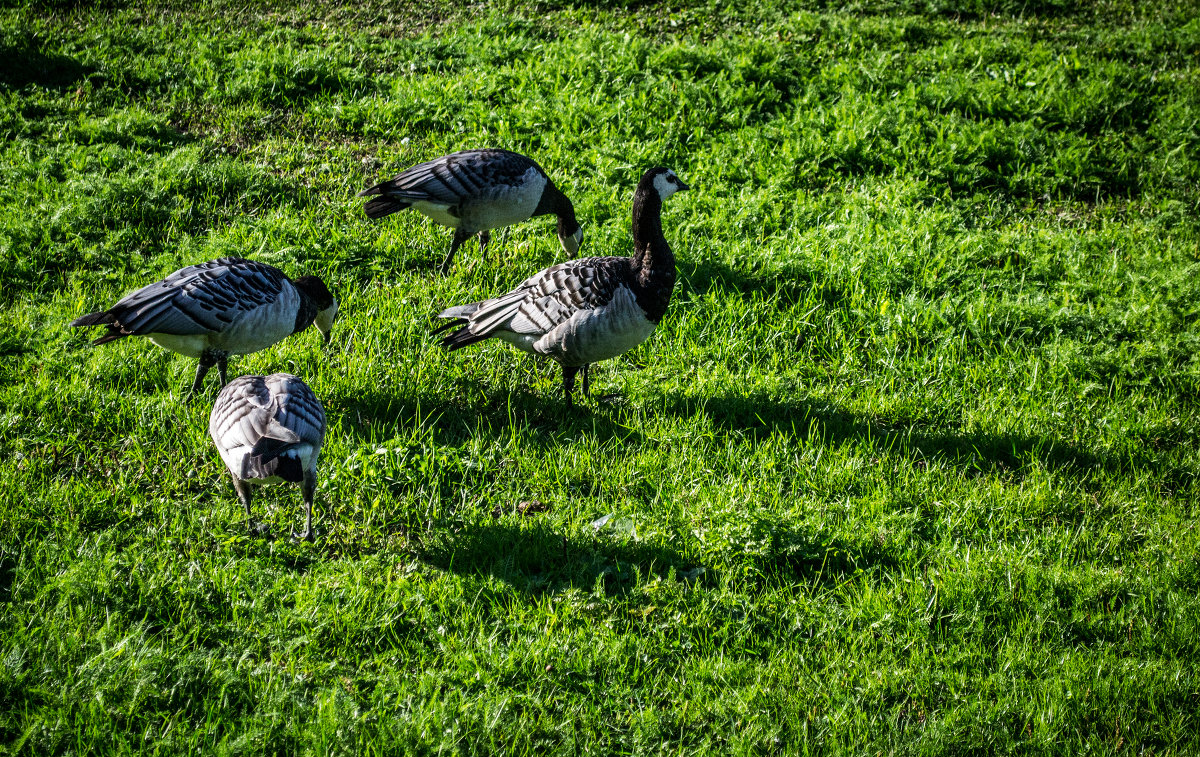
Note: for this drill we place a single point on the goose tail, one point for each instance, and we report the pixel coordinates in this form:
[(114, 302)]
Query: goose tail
[(383, 206)]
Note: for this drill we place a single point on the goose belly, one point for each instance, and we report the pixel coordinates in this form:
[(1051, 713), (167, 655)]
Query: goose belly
[(186, 344), (437, 212), (523, 342), (249, 331), (590, 336)]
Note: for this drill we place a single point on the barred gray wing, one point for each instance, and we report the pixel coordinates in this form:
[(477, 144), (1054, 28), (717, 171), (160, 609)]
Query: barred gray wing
[(453, 178), (200, 298), (552, 296)]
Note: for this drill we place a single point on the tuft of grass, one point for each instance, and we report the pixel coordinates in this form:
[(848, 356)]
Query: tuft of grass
[(910, 467)]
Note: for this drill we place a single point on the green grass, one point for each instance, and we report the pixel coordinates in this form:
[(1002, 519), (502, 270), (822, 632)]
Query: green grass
[(910, 467)]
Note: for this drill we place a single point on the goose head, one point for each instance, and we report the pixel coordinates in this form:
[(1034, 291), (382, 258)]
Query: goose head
[(327, 305), (665, 182), (570, 240)]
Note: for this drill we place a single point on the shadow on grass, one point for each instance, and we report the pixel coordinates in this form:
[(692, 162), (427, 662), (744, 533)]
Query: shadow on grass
[(8, 574), (799, 554), (955, 9), (375, 415), (761, 416), (23, 63), (786, 285), (536, 558)]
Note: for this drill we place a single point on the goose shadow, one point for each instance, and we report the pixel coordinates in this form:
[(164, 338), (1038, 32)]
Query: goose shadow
[(375, 414), (537, 558), (978, 453), (787, 285), (8, 575), (23, 63)]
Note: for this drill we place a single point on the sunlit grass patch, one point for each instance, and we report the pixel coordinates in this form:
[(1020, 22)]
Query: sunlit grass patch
[(910, 466)]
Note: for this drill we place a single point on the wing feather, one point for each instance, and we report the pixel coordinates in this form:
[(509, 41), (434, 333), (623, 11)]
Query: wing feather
[(198, 299), (252, 408), (545, 300), (453, 178)]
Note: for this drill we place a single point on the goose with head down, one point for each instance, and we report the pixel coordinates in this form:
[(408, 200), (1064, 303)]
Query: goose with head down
[(587, 310), (474, 191), (213, 310), (269, 429)]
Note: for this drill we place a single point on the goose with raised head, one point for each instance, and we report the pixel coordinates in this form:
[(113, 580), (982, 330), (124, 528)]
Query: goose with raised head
[(474, 191), (213, 310), (269, 429), (587, 310)]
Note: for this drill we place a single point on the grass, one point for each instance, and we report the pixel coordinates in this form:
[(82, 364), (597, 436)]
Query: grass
[(910, 467)]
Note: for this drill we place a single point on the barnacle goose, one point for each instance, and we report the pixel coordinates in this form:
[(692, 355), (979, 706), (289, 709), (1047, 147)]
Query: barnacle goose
[(476, 190), (216, 309), (269, 429), (583, 311)]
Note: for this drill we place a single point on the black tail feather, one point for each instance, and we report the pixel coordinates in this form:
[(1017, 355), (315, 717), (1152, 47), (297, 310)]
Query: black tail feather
[(101, 318), (92, 319), (114, 333), (456, 340), (384, 206), (451, 323), (268, 448), (287, 467)]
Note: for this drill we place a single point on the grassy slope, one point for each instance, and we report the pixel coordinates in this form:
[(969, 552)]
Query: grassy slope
[(909, 467)]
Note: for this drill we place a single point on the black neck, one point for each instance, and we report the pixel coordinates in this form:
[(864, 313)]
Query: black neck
[(306, 313), (653, 261), (554, 201), (314, 297)]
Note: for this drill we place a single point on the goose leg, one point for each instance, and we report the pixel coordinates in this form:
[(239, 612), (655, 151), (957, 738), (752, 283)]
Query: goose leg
[(485, 239), (460, 236), (569, 382), (307, 488), (587, 380), (244, 494), (207, 361), (222, 366)]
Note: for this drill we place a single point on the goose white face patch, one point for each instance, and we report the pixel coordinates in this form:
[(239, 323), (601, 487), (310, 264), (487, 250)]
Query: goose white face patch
[(666, 184), (571, 243), (325, 319)]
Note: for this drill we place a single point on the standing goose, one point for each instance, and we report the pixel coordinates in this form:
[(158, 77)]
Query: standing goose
[(216, 309), (583, 311), (476, 190), (269, 430)]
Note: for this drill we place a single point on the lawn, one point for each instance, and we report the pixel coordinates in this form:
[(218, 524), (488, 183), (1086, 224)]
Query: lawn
[(909, 467)]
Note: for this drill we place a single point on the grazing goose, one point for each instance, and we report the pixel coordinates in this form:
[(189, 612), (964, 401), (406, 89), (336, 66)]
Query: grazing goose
[(216, 309), (583, 311), (476, 190), (269, 430)]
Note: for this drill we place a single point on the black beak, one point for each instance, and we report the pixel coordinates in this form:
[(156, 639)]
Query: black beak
[(682, 186)]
